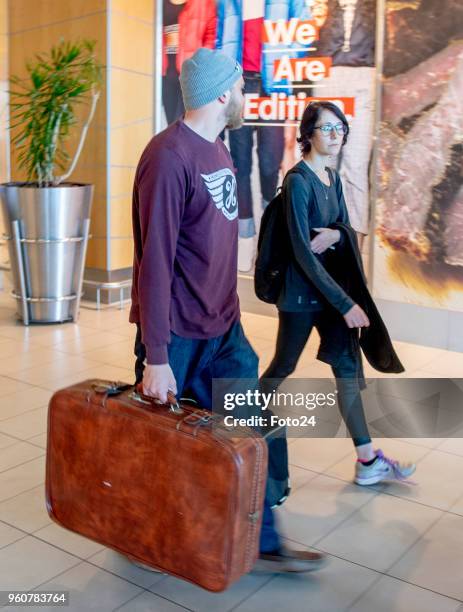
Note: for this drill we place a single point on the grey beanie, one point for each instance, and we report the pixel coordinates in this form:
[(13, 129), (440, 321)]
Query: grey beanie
[(206, 76)]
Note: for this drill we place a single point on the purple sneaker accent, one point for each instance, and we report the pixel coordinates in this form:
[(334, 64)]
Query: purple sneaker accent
[(383, 468)]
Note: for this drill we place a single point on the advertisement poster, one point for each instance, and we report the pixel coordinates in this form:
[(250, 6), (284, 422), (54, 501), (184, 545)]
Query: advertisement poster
[(419, 252), (292, 52)]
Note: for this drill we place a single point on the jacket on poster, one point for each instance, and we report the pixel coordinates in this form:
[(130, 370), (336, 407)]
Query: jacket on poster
[(348, 35), (197, 28), (230, 33)]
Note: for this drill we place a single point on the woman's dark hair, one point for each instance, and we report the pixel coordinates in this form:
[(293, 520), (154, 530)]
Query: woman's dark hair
[(310, 118)]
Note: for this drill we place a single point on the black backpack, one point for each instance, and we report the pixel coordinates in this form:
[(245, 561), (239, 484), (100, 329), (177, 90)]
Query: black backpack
[(271, 260), (273, 250)]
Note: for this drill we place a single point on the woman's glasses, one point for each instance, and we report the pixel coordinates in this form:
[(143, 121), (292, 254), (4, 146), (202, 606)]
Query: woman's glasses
[(327, 128)]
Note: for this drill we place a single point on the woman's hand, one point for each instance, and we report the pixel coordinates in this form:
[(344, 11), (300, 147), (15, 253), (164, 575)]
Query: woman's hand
[(356, 317), (325, 239)]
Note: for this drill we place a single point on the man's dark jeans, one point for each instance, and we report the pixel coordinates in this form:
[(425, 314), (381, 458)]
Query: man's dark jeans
[(194, 364)]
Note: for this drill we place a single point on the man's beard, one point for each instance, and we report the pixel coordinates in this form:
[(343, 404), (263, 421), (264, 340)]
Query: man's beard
[(234, 116)]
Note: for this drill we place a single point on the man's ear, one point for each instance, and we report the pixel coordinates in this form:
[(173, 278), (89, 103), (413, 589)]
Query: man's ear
[(223, 99)]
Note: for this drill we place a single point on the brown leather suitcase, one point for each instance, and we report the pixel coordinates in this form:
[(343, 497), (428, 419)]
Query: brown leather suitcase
[(159, 483)]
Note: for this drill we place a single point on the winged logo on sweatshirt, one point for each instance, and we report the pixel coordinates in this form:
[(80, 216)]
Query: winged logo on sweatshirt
[(222, 188)]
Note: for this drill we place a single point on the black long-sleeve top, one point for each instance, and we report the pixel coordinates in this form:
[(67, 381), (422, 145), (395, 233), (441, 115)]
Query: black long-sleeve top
[(309, 204)]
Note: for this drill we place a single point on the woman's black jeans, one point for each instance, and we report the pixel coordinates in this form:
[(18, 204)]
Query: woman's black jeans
[(293, 333)]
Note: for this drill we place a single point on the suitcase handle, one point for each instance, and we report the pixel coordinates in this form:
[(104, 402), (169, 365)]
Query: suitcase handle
[(172, 402)]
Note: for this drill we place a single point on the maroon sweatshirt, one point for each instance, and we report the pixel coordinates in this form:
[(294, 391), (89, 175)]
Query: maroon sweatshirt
[(185, 232)]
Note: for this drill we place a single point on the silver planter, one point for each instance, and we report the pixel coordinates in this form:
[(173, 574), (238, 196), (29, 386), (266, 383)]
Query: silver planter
[(47, 233)]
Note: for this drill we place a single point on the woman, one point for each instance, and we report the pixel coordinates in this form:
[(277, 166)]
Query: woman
[(310, 297)]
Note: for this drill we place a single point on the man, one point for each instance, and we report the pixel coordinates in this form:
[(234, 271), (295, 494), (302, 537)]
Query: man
[(184, 297)]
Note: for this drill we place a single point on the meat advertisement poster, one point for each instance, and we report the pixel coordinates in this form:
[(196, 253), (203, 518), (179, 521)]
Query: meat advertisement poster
[(292, 52), (419, 248)]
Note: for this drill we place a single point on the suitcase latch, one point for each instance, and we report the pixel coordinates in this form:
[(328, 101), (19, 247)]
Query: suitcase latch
[(110, 388), (197, 421), (102, 390)]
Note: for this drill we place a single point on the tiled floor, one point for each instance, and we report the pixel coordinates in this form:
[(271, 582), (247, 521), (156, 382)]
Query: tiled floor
[(391, 547)]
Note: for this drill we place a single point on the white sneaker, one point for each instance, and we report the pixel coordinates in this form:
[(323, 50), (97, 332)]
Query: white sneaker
[(246, 254), (382, 469)]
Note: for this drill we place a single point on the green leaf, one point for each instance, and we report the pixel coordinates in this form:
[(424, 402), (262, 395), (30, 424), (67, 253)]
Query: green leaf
[(43, 107)]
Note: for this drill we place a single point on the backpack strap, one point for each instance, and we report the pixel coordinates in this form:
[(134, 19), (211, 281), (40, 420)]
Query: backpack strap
[(295, 170)]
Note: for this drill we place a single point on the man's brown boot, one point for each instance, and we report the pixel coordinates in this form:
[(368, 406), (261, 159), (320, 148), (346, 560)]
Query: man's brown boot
[(286, 560)]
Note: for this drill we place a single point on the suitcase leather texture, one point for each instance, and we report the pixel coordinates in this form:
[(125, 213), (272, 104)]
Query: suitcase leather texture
[(169, 490)]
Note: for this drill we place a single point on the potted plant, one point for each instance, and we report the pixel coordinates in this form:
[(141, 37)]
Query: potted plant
[(47, 218)]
